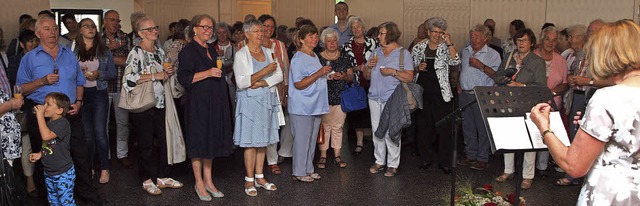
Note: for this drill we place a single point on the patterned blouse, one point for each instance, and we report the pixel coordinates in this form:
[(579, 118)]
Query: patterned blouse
[(613, 178), (9, 132), (370, 44), (141, 62), (442, 62), (335, 87)]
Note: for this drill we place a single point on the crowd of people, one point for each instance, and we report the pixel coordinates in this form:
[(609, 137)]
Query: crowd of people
[(272, 90)]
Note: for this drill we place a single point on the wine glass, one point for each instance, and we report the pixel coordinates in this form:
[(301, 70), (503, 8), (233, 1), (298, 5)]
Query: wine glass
[(17, 93)]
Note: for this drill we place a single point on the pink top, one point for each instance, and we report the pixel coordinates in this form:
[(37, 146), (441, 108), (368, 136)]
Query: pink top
[(557, 75), (90, 66)]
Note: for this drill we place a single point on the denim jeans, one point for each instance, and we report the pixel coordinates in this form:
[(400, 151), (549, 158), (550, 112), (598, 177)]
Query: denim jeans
[(94, 118)]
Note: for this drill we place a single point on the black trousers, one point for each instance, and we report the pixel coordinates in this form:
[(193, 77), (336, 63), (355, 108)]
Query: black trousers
[(79, 154), (152, 143), (434, 143)]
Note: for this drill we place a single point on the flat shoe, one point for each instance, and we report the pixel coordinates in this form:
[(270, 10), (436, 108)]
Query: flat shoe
[(205, 198), (315, 176), (275, 169), (104, 177), (526, 183), (217, 194), (306, 179), (375, 168), (504, 177)]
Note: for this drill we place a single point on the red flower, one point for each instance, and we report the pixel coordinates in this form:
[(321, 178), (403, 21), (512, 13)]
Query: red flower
[(490, 204), (488, 187), (511, 198)]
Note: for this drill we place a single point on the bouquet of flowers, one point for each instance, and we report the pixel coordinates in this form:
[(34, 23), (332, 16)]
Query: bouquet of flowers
[(484, 197)]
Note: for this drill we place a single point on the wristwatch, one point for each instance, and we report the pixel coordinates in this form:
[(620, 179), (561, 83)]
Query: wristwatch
[(591, 82), (79, 100)]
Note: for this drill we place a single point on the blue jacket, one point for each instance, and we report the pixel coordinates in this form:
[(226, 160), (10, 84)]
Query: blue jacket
[(107, 69)]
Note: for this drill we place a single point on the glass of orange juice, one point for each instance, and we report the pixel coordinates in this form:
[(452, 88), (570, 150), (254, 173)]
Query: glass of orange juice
[(219, 63), (17, 93)]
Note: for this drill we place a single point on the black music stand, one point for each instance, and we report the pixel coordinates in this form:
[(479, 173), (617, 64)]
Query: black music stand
[(511, 102)]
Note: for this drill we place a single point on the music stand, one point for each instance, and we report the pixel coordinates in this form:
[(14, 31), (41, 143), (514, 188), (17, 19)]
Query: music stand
[(511, 102)]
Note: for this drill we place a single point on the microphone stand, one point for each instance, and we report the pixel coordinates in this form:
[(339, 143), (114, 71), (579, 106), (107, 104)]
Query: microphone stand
[(456, 119)]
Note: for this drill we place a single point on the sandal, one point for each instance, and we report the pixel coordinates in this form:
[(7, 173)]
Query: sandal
[(504, 177), (358, 149), (250, 190), (267, 186), (169, 183), (338, 161), (566, 182), (303, 178), (151, 188), (217, 194), (315, 176), (275, 169), (391, 172), (526, 183), (322, 163), (375, 168)]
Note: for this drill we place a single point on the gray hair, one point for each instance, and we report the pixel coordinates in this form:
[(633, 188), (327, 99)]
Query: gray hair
[(436, 22), (354, 19), (135, 18), (224, 26), (577, 29), (250, 24), (41, 19), (545, 31), (486, 32), (327, 33), (142, 19)]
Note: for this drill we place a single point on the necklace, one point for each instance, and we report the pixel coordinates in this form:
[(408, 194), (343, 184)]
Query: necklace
[(257, 50), (334, 56)]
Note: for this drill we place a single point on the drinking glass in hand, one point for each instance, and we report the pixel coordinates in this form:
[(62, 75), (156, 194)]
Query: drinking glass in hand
[(17, 93), (219, 62)]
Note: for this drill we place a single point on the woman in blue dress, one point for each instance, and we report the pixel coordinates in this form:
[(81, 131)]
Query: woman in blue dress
[(257, 108)]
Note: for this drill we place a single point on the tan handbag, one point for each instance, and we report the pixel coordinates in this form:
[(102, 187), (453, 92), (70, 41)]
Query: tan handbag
[(140, 99), (321, 135)]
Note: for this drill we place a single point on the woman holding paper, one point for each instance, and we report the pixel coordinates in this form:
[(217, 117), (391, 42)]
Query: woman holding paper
[(606, 146), (531, 71)]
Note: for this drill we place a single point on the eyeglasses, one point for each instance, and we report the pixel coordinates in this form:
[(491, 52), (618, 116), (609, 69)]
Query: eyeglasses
[(382, 33), (155, 28), (89, 26), (205, 27), (437, 32), (113, 19)]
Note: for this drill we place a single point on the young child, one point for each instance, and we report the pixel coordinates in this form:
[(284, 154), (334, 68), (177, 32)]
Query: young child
[(56, 156)]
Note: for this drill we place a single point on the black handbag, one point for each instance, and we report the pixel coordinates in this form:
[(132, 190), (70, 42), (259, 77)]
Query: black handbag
[(10, 194)]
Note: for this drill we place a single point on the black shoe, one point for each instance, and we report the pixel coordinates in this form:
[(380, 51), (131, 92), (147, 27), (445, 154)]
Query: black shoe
[(542, 174), (426, 165), (445, 170)]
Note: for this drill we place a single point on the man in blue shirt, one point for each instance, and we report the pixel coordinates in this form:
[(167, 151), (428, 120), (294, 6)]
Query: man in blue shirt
[(344, 32), (51, 67), (479, 63)]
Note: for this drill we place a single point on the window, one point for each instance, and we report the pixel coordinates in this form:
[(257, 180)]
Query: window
[(94, 14)]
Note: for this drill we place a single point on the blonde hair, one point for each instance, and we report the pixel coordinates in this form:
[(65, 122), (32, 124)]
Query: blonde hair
[(611, 50)]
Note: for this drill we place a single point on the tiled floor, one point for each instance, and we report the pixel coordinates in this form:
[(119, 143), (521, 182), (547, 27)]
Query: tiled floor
[(353, 185)]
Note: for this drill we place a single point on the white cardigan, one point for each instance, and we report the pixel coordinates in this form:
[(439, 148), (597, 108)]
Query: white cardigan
[(243, 69)]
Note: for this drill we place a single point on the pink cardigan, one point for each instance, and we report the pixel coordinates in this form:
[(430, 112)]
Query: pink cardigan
[(557, 76)]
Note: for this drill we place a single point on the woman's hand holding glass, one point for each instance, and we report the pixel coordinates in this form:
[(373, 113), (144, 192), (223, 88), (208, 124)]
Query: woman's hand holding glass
[(324, 70), (214, 72), (271, 67), (336, 75), (168, 68), (372, 62)]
